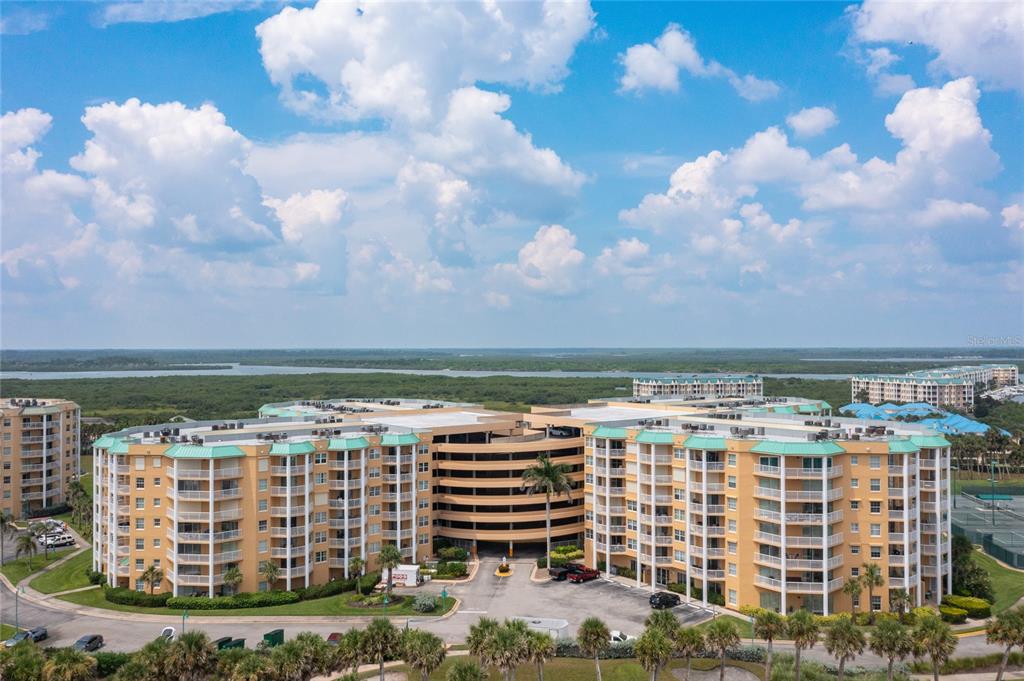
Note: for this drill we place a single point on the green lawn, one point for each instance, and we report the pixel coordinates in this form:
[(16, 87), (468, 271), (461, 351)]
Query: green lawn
[(69, 575), (6, 631), (575, 669), (337, 606), (742, 625), (1007, 584), (20, 568)]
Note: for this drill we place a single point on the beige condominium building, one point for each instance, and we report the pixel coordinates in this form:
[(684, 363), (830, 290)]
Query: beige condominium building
[(309, 485), (772, 504), (943, 387), (40, 453), (692, 386)]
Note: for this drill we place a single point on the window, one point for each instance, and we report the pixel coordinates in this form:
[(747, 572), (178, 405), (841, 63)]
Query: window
[(876, 530), (375, 454), (679, 514), (630, 505), (374, 509), (156, 482), (731, 459), (140, 584), (854, 483), (630, 524), (876, 485), (854, 459), (855, 550), (140, 544), (876, 507), (732, 525), (876, 552), (679, 494), (140, 523), (854, 527), (320, 457), (319, 537), (157, 462), (262, 586), (140, 483), (140, 503), (140, 463), (732, 482), (156, 502), (855, 572), (423, 466), (731, 547), (732, 596), (262, 485), (262, 526), (679, 453), (140, 565), (320, 517), (422, 503), (156, 543), (423, 485), (263, 465), (375, 528), (679, 535), (679, 556), (631, 544), (854, 504), (732, 569), (731, 501), (422, 521), (876, 604), (261, 546), (374, 492), (156, 522), (875, 462), (320, 478), (262, 505), (320, 557), (423, 539)]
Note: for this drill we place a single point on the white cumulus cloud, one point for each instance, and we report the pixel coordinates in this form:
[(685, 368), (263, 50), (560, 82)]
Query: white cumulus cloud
[(549, 263), (812, 122)]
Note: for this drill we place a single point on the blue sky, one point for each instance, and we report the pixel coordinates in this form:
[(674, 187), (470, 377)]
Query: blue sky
[(238, 174)]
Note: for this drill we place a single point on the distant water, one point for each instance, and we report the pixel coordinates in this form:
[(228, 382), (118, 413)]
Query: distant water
[(254, 370)]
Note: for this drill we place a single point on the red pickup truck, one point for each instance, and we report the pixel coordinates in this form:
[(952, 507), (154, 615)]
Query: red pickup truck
[(583, 574)]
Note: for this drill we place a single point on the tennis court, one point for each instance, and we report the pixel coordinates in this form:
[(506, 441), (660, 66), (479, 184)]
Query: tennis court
[(995, 521)]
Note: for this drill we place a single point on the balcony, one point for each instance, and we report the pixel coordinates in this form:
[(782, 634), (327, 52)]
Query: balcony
[(198, 580), (773, 471), (395, 534), (339, 465), (814, 473), (663, 540), (285, 552), (291, 470), (287, 512), (297, 531), (768, 492), (341, 543), (294, 490), (895, 559), (767, 559), (342, 523), (351, 483)]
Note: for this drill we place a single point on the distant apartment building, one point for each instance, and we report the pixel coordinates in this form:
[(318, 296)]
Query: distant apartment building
[(696, 386), (944, 387), (40, 440)]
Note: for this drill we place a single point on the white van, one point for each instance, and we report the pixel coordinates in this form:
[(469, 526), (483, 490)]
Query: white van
[(55, 540)]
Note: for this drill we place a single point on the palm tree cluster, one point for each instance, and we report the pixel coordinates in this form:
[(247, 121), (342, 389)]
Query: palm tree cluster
[(1007, 630), (871, 578), (6, 529), (509, 645), (80, 501)]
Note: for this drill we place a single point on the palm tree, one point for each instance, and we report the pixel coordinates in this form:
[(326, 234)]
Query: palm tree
[(380, 643), (465, 670), (288, 662), (934, 638), (844, 641), (506, 647), (152, 576), (479, 634), (6, 528), (891, 640), (192, 656), (423, 651), (23, 662), (721, 635), (250, 667), (899, 601), (768, 626), (853, 588), (37, 529), (690, 644), (803, 629), (539, 649), (25, 545), (232, 578), (594, 638), (269, 571), (355, 566), (872, 578), (653, 650), (315, 654), (548, 479), (348, 654), (664, 620), (67, 664), (389, 558), (153, 663), (1007, 629)]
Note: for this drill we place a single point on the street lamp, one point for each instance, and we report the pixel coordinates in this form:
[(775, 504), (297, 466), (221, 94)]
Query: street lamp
[(992, 498)]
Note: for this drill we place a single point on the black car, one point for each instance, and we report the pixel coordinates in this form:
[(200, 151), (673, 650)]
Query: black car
[(88, 643), (38, 634), (560, 574), (664, 599)]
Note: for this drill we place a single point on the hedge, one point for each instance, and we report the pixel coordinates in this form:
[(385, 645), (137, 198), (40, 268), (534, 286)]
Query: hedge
[(952, 615), (969, 664), (261, 599), (451, 570), (139, 599), (332, 588), (556, 561), (107, 664), (367, 582), (59, 509), (625, 649), (450, 553), (976, 608)]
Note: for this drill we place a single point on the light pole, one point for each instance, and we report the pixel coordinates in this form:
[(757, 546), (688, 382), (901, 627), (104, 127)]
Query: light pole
[(17, 594), (992, 498)]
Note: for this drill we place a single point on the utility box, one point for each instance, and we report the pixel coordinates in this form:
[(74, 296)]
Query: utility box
[(235, 643), (404, 575), (274, 638), (554, 628), (222, 643)]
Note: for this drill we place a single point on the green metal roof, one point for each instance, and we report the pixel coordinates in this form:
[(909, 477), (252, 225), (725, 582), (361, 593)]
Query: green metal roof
[(292, 448), (653, 437), (796, 448), (118, 447), (704, 442), (399, 439), (902, 447), (610, 433), (929, 440), (187, 451), (783, 410), (103, 442), (825, 405), (348, 443)]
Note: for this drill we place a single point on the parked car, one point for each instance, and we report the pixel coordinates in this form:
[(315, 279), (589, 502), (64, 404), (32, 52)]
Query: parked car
[(620, 637), (55, 540), (560, 574), (335, 638), (168, 633), (664, 599), (89, 643), (16, 639), (38, 634), (584, 574)]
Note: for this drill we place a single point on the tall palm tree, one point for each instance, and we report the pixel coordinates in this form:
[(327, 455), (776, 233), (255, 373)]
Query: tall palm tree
[(539, 649), (803, 629), (506, 648), (871, 575), (594, 638), (1007, 629), (934, 639), (423, 651), (653, 650), (854, 588), (548, 479), (380, 643), (844, 641), (67, 664), (768, 626), (891, 640), (721, 635), (232, 578), (690, 644), (152, 576), (664, 620), (192, 656), (37, 529), (25, 545), (270, 572), (479, 634), (899, 601), (348, 654), (355, 566), (465, 670), (6, 528), (389, 558)]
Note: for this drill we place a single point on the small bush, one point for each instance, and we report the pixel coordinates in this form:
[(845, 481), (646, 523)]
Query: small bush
[(332, 588), (139, 599), (424, 603), (626, 572), (952, 615), (677, 588), (567, 647), (862, 619), (456, 553), (95, 577), (368, 582), (976, 608), (107, 664), (452, 570), (261, 599), (556, 562), (715, 598)]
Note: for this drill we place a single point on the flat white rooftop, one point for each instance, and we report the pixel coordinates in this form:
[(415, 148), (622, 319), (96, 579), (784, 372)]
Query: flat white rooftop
[(431, 419), (598, 414)]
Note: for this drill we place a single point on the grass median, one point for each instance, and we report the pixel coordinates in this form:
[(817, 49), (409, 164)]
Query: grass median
[(20, 568), (68, 575), (332, 606), (1007, 584)]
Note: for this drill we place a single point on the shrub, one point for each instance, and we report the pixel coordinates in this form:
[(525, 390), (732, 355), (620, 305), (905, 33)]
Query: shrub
[(716, 598), (677, 588), (977, 608), (368, 582), (48, 511), (567, 647), (968, 664), (139, 599), (332, 588), (452, 570), (456, 553), (626, 572), (261, 599), (95, 577), (567, 553), (863, 619), (952, 615), (556, 561), (424, 603), (108, 663)]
